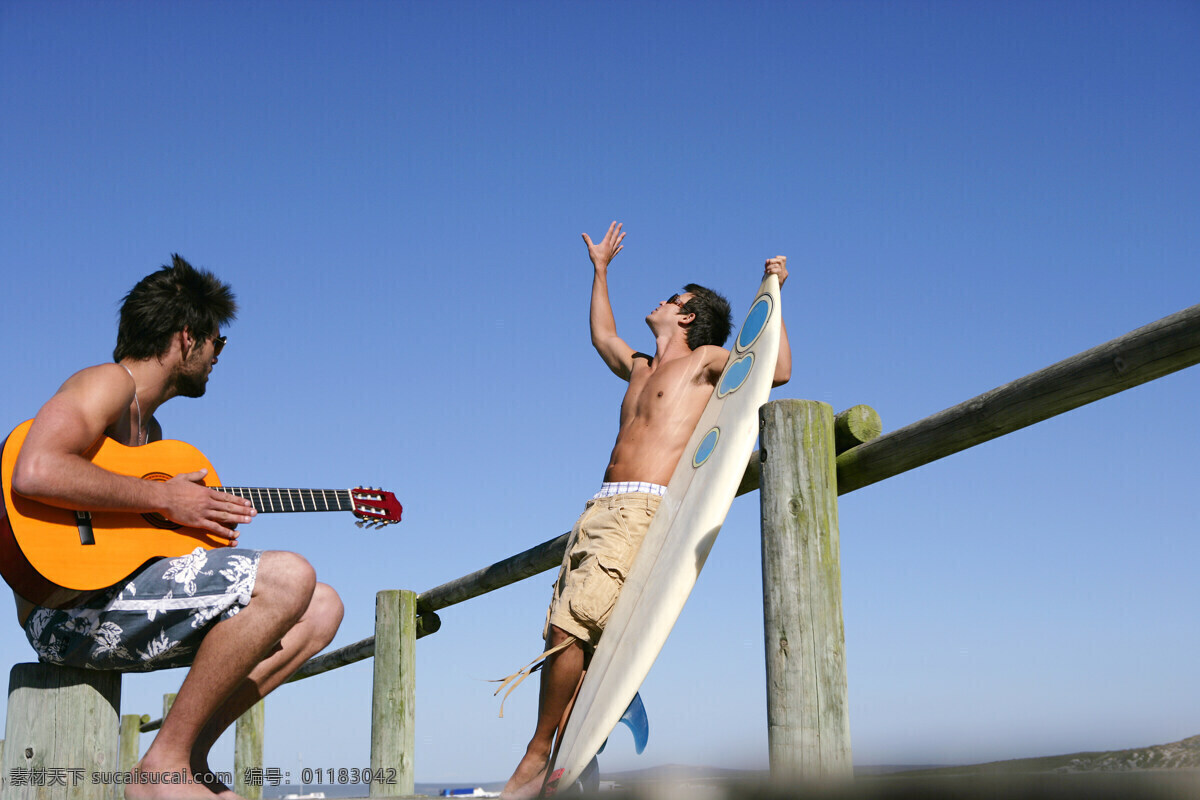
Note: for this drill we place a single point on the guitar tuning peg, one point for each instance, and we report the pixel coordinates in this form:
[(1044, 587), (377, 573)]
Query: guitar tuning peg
[(358, 524)]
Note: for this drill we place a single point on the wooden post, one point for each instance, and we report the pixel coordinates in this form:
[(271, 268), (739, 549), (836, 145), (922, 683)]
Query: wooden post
[(131, 747), (248, 750), (808, 725), (168, 701), (393, 699), (61, 729)]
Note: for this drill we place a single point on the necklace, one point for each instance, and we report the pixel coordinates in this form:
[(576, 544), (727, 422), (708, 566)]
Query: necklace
[(141, 438)]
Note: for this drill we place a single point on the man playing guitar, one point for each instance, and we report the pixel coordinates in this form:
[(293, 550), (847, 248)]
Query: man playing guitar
[(245, 620)]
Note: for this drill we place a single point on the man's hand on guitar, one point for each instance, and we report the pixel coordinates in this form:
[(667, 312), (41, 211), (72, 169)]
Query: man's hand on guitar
[(189, 502)]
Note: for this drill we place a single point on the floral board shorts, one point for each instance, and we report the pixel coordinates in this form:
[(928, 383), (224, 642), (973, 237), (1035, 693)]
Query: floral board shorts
[(600, 551), (155, 619)]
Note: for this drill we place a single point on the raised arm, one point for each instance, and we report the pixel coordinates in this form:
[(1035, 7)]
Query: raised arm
[(52, 469), (783, 364), (611, 347)]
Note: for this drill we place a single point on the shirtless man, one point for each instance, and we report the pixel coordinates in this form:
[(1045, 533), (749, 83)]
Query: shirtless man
[(667, 394), (244, 619)]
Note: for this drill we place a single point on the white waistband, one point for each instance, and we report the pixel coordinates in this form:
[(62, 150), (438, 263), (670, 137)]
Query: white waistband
[(629, 487)]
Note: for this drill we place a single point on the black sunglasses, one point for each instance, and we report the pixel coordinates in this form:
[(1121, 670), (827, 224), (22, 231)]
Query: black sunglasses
[(218, 345)]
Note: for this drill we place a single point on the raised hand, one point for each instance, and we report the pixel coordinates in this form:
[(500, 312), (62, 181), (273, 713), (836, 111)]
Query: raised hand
[(191, 503), (607, 249), (777, 266)]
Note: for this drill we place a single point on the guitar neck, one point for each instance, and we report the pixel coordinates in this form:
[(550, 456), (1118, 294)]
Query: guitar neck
[(267, 501)]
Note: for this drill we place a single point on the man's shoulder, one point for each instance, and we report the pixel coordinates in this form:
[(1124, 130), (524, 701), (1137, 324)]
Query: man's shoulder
[(711, 353), (705, 352), (102, 384), (110, 375), (109, 371)]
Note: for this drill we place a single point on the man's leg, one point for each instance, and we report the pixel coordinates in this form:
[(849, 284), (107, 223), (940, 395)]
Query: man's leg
[(315, 629), (283, 591), (560, 679)]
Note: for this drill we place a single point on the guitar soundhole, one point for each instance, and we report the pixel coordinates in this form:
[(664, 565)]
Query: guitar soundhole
[(158, 520)]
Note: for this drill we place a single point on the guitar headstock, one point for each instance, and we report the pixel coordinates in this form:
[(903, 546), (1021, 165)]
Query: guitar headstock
[(375, 508)]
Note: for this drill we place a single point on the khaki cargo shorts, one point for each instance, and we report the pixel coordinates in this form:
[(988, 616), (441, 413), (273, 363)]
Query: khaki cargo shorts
[(600, 551)]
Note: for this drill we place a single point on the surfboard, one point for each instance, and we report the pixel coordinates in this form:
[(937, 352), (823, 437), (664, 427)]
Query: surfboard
[(678, 540)]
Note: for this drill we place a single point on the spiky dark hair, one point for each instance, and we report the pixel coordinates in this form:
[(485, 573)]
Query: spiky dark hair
[(165, 302)]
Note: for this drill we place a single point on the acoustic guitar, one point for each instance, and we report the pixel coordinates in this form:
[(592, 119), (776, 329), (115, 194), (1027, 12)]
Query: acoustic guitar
[(45, 549)]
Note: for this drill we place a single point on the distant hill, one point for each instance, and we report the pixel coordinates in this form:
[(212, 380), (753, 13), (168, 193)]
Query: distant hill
[(682, 773), (1181, 755), (1160, 772), (1177, 755)]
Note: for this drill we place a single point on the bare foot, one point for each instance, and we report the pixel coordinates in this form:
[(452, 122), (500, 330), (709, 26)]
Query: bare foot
[(211, 780), (154, 781), (527, 780), (528, 790)]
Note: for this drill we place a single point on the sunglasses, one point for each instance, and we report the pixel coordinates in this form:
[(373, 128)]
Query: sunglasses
[(675, 299), (218, 345)]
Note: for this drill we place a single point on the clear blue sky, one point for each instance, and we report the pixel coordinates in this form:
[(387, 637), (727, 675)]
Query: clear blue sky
[(966, 192)]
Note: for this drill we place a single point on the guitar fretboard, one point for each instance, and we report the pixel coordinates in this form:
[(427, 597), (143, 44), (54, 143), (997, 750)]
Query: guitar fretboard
[(270, 500)]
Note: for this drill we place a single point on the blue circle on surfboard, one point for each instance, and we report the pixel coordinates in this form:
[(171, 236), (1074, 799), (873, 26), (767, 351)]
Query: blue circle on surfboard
[(755, 322), (736, 375), (707, 445)]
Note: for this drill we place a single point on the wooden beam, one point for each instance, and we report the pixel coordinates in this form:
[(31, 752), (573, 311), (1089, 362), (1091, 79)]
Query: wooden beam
[(516, 568), (854, 426), (1150, 352)]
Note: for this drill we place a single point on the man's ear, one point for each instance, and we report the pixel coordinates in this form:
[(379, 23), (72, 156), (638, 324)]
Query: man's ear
[(687, 319), (186, 342)]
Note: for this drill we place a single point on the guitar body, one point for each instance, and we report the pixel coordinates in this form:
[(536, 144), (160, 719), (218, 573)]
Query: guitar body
[(44, 549), (48, 555)]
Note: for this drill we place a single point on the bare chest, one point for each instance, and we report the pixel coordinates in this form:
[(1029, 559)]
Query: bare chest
[(667, 391)]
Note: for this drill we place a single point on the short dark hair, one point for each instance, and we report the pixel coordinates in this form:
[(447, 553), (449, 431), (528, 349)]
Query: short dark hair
[(714, 319), (174, 298)]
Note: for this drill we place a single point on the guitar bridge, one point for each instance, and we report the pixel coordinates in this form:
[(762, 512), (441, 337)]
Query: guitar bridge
[(83, 521)]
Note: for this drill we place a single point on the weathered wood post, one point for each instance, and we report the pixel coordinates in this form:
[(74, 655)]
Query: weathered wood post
[(61, 728), (393, 699), (248, 750), (808, 724), (130, 748)]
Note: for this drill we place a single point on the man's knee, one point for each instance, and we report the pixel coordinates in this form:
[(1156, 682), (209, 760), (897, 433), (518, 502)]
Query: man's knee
[(326, 610), (286, 578), (558, 636)]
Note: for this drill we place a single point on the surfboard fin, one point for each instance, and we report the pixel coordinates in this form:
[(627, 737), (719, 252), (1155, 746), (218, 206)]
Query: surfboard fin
[(589, 779), (636, 720)]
